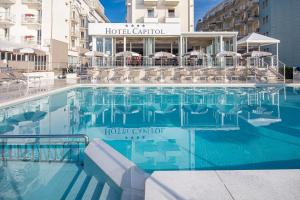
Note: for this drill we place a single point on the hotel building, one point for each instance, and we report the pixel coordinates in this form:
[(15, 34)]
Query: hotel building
[(274, 18), (57, 27), (162, 11), (157, 26)]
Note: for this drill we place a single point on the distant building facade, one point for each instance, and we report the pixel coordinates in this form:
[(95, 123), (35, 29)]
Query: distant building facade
[(273, 18), (232, 15), (280, 19), (58, 27), (162, 11)]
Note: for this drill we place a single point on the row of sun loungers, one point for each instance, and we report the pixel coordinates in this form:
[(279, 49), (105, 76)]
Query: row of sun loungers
[(180, 74)]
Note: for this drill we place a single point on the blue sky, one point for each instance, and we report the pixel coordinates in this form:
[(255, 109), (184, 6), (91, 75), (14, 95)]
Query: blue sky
[(115, 9)]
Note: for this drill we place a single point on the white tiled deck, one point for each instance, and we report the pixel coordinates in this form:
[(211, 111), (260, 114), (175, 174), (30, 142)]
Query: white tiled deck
[(231, 185)]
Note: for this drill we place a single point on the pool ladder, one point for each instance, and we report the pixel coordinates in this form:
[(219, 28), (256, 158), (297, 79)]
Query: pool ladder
[(43, 148)]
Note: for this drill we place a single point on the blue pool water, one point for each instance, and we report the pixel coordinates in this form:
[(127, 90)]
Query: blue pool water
[(174, 128)]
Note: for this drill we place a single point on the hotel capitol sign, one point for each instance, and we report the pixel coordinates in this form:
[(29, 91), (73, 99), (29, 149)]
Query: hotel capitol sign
[(116, 29)]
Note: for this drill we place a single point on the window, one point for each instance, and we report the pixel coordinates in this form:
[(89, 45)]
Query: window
[(171, 13), (82, 23), (73, 43), (82, 35), (39, 36), (151, 13), (6, 33)]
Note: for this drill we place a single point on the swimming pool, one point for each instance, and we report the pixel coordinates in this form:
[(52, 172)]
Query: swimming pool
[(171, 128)]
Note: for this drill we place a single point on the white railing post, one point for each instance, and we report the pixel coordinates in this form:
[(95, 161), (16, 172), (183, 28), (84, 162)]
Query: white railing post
[(284, 73)]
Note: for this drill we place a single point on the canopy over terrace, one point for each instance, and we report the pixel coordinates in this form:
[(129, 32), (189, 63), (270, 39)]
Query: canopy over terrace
[(255, 39), (258, 40), (14, 53), (148, 39)]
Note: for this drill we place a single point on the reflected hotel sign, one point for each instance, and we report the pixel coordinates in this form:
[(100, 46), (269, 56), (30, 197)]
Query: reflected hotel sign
[(133, 133), (107, 29)]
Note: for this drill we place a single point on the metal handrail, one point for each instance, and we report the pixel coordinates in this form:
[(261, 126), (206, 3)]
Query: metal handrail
[(85, 137), (50, 151)]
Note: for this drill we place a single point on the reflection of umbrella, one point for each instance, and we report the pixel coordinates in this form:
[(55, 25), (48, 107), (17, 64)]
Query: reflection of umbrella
[(127, 54), (28, 116), (229, 109), (163, 109), (257, 54), (228, 54), (4, 128), (127, 110), (195, 109), (162, 54)]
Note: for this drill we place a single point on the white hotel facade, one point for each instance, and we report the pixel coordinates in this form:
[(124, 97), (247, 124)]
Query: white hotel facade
[(57, 27), (158, 25)]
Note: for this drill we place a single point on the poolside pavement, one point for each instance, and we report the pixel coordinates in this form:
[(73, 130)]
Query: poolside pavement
[(231, 185)]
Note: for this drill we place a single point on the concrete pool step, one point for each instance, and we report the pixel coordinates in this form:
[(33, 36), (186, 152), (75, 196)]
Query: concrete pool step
[(122, 175), (222, 185)]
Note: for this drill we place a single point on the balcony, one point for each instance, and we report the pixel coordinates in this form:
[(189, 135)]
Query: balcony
[(74, 33), (32, 3), (7, 38), (171, 2), (172, 19), (150, 2), (6, 19), (7, 2), (74, 18), (253, 18), (151, 18), (31, 20), (30, 40)]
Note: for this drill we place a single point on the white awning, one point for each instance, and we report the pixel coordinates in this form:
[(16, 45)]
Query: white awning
[(255, 39), (16, 47)]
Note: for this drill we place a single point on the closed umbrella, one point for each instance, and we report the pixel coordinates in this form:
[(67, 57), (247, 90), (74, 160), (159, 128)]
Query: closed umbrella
[(228, 54), (127, 54)]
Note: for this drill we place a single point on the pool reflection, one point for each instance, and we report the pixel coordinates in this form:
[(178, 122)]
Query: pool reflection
[(174, 128)]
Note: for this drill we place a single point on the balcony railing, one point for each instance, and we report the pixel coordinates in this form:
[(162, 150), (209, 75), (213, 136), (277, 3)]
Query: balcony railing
[(151, 18), (32, 3), (29, 39), (6, 18), (7, 2), (74, 33), (150, 2), (31, 20), (171, 2), (172, 18)]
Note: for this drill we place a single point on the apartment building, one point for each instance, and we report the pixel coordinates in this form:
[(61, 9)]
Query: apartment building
[(162, 11), (58, 27), (232, 15), (274, 18), (280, 19)]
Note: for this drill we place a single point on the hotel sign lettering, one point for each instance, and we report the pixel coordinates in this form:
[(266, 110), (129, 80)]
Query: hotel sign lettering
[(134, 31), (103, 29)]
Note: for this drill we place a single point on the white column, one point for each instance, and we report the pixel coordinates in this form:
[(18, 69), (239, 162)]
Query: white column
[(94, 43), (181, 50), (234, 43), (277, 54), (247, 47), (124, 49)]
